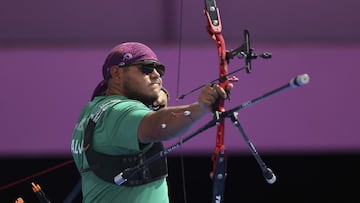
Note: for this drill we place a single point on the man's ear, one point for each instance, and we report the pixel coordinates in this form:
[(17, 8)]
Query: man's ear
[(114, 71)]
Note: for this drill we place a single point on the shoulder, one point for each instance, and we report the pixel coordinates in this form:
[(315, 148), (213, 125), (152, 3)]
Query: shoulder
[(129, 104)]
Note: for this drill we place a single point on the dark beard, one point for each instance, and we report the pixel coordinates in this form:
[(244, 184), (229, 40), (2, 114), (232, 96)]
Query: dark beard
[(130, 94)]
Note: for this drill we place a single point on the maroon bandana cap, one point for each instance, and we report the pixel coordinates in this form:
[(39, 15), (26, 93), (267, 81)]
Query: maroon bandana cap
[(126, 54)]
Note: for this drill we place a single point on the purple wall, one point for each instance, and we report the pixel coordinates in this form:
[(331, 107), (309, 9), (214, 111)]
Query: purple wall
[(44, 90), (51, 54)]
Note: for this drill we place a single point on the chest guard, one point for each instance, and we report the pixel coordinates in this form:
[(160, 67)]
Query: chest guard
[(107, 166)]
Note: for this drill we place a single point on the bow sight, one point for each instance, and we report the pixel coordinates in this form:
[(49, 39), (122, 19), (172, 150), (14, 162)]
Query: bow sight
[(245, 51)]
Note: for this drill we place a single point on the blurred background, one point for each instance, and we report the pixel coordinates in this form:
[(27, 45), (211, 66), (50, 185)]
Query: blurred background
[(51, 54)]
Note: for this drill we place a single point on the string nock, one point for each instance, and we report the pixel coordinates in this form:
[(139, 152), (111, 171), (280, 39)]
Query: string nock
[(180, 98)]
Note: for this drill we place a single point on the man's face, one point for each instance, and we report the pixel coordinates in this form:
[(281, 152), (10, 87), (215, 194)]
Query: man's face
[(142, 83)]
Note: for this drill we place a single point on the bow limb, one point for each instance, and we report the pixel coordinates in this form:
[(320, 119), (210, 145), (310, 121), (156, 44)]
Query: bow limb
[(219, 159), (214, 29)]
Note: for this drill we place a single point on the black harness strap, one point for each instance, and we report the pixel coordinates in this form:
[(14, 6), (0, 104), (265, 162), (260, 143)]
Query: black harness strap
[(107, 166)]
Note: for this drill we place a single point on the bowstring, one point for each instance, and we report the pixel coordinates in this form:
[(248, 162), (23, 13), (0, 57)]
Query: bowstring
[(183, 180)]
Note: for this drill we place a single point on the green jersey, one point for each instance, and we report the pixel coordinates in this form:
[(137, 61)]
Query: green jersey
[(115, 134)]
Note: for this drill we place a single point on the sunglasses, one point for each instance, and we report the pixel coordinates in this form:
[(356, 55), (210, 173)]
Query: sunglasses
[(147, 67)]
